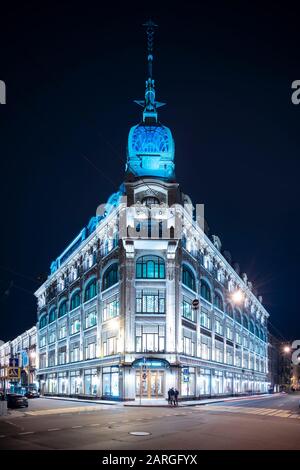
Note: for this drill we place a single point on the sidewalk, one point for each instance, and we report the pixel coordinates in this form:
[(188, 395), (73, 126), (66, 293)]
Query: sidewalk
[(83, 400), (146, 402)]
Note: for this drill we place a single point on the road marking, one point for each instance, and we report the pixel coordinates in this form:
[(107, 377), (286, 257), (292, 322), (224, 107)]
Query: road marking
[(25, 433), (96, 424), (53, 429), (76, 427), (255, 411), (140, 433)]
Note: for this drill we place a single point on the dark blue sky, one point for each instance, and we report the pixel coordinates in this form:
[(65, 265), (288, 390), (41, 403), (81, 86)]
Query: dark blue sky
[(72, 73)]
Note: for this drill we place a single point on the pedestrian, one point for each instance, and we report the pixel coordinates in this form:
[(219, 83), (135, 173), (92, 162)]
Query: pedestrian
[(176, 393), (172, 396), (169, 396)]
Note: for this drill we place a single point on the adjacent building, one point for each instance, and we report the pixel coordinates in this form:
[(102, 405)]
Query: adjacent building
[(22, 348), (142, 299)]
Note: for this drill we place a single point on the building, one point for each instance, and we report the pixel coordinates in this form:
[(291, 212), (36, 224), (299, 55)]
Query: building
[(22, 348), (143, 299), (283, 374)]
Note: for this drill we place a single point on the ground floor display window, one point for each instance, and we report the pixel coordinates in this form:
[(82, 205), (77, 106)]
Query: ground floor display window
[(110, 381), (90, 382), (228, 383), (62, 383), (75, 382), (237, 384), (188, 381), (205, 382), (52, 384), (218, 382)]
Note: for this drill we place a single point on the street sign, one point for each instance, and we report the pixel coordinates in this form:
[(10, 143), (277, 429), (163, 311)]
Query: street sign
[(13, 372), (195, 303), (186, 371), (13, 362), (186, 378)]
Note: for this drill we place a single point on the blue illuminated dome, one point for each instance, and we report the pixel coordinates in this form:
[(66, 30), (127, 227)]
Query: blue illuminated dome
[(151, 151)]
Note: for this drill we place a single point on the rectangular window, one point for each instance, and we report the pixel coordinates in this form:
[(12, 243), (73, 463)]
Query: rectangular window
[(150, 301), (150, 338), (62, 355), (42, 341), (218, 352), (74, 352), (187, 310), (90, 350), (52, 337), (110, 346), (90, 319), (205, 319), (110, 309), (75, 326), (219, 327), (229, 333), (62, 332), (229, 356), (205, 348), (238, 337), (188, 346)]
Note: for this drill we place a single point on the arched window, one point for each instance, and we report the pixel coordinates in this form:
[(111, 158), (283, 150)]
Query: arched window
[(218, 301), (111, 276), (43, 321), (188, 278), (229, 310), (245, 322), (90, 290), (238, 317), (62, 310), (256, 331), (75, 300), (52, 315), (205, 291), (150, 267), (251, 326)]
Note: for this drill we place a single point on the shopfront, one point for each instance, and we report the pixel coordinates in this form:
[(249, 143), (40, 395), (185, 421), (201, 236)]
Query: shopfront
[(75, 382), (205, 382), (188, 382), (150, 377), (110, 382)]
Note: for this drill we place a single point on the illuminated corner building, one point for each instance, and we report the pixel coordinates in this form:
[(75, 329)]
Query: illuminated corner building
[(116, 299)]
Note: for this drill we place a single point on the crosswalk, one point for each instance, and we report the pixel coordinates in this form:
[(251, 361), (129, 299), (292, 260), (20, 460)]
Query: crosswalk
[(251, 410)]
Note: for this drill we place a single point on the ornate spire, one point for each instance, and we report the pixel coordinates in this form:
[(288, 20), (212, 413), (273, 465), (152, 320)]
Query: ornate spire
[(149, 104)]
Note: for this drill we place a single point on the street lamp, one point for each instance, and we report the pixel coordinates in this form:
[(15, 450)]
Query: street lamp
[(286, 349), (237, 296)]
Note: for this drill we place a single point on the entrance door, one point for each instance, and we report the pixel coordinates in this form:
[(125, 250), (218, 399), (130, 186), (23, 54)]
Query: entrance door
[(153, 384)]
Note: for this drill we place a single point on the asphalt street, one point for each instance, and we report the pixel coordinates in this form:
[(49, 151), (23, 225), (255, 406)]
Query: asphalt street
[(264, 423)]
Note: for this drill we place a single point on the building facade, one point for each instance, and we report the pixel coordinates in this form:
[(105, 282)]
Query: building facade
[(143, 299), (22, 348)]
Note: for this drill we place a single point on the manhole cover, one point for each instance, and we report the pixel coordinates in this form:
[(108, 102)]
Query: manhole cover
[(140, 433)]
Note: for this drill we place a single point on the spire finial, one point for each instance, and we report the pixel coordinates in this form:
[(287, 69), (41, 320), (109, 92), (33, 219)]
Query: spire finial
[(150, 105), (150, 29)]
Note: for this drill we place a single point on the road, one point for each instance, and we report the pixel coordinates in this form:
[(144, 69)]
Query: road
[(271, 422)]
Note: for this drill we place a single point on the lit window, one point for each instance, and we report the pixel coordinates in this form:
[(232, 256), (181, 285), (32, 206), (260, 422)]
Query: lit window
[(111, 276), (188, 278), (205, 291), (90, 290), (150, 267)]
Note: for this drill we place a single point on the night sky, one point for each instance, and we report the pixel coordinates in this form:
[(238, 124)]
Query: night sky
[(72, 73)]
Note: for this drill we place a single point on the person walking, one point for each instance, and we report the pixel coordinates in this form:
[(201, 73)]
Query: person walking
[(172, 396), (169, 396), (176, 393)]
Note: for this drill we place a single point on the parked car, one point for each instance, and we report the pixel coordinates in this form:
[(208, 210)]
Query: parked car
[(15, 400), (32, 394)]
